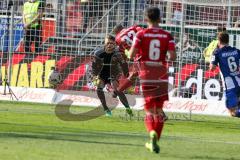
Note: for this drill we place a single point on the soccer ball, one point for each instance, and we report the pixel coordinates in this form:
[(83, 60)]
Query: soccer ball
[(55, 78)]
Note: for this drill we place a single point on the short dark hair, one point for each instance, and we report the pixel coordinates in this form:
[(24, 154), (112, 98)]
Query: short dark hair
[(117, 28), (153, 14), (110, 37), (223, 37)]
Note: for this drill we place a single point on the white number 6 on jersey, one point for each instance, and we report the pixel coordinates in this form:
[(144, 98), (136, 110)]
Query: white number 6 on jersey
[(232, 64), (154, 49)]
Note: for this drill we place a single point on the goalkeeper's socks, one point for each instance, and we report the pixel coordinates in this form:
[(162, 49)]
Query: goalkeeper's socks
[(123, 99), (101, 96), (149, 122), (158, 125), (124, 84)]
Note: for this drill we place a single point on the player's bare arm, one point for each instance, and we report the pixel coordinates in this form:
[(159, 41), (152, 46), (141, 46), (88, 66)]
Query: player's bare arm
[(172, 55)]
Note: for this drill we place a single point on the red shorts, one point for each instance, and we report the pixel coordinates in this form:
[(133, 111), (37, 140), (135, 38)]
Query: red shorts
[(154, 81), (155, 95)]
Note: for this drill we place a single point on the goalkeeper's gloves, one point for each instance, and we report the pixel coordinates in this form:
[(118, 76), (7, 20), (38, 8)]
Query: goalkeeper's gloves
[(127, 53), (96, 81)]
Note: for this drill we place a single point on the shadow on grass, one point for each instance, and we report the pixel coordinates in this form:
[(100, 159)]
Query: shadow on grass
[(60, 137), (68, 131)]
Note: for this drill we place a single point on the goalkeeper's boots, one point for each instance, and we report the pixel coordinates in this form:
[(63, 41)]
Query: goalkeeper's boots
[(152, 146), (108, 113), (129, 111)]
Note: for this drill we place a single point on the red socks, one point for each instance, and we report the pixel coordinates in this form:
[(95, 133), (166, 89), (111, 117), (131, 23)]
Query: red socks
[(149, 122), (155, 123), (124, 84), (158, 125)]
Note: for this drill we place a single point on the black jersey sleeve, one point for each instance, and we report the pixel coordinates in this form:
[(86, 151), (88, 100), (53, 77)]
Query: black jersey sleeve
[(97, 62)]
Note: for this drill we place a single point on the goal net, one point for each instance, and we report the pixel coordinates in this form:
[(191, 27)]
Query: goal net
[(72, 29)]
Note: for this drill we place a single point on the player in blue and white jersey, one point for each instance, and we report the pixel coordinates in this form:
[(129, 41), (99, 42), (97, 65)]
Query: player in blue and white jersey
[(228, 59)]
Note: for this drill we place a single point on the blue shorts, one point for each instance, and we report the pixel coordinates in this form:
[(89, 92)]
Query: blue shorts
[(232, 97)]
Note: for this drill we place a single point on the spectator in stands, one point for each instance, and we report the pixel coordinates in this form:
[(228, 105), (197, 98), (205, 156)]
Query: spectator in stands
[(32, 14), (48, 13), (177, 14), (112, 14), (127, 6), (73, 18), (237, 23), (5, 6), (18, 6), (208, 52), (91, 9)]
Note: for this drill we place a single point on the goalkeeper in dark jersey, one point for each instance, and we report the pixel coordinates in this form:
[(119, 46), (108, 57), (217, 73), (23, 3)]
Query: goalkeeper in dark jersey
[(107, 66)]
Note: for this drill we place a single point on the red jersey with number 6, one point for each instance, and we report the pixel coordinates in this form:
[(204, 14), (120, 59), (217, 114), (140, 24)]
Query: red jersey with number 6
[(153, 44), (124, 39)]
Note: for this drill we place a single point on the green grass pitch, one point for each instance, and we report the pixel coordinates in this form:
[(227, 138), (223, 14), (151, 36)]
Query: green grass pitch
[(33, 132)]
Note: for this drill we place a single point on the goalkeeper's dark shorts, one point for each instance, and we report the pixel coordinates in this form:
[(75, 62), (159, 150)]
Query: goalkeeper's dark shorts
[(106, 80)]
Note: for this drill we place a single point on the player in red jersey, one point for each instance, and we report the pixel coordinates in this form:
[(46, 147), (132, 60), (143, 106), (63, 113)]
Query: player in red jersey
[(152, 45), (124, 36), (124, 40)]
